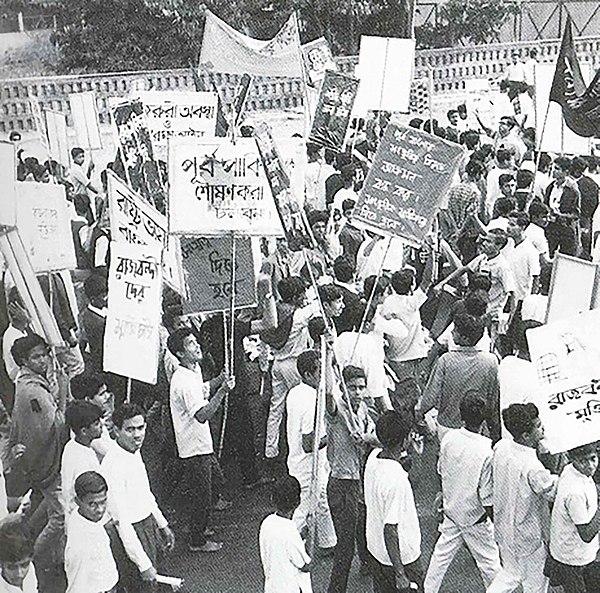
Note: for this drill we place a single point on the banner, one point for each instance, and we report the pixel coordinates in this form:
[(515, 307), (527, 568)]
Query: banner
[(8, 178), (566, 355), (218, 187), (334, 110), (226, 50), (85, 120), (411, 174), (58, 143), (137, 154), (44, 225), (176, 114), (291, 214), (134, 311), (134, 221), (317, 59), (385, 70), (40, 124), (207, 267)]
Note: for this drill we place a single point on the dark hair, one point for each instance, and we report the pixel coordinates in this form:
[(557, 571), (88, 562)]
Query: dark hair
[(348, 204), (285, 494), (451, 111), (95, 285), (15, 546), (520, 218), (315, 216), (316, 328), (76, 151), (290, 288), (308, 362), (376, 285), (176, 339), (415, 122), (503, 155), (545, 160), (474, 169), (564, 163), (392, 428), (499, 237), (86, 385), (23, 346), (505, 178), (519, 418), (537, 209), (476, 303), (402, 280), (469, 327), (329, 293), (125, 412), (524, 178), (81, 414), (582, 451), (353, 372), (90, 482), (578, 166), (480, 282), (473, 409), (343, 269)]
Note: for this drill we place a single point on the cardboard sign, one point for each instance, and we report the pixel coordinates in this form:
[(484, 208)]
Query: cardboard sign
[(291, 214), (317, 60), (137, 154), (58, 143), (411, 174), (207, 266), (8, 178), (566, 355), (85, 120), (182, 115), (334, 110), (131, 338), (45, 226), (135, 221), (385, 70), (217, 187)]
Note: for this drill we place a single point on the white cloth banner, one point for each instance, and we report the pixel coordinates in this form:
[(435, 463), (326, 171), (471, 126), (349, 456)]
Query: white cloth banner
[(134, 221), (45, 226), (8, 177), (58, 143), (174, 114), (566, 355), (219, 187), (131, 339), (85, 120)]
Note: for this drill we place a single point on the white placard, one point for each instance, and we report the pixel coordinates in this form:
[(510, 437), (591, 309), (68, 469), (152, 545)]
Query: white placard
[(8, 178), (85, 120), (135, 221), (131, 339), (219, 187), (58, 143), (45, 226)]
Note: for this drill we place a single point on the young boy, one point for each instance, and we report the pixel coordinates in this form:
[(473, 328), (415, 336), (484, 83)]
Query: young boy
[(467, 497), (282, 552), (83, 418), (89, 561), (16, 553), (575, 524)]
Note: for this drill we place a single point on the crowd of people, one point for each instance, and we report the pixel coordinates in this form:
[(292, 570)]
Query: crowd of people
[(368, 350)]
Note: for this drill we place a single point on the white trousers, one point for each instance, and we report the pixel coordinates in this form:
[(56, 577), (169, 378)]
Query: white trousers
[(527, 571), (480, 542)]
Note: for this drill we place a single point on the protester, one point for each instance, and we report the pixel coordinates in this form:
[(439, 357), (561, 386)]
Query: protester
[(16, 554)]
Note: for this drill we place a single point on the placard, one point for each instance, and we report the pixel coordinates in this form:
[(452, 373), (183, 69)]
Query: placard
[(135, 221), (317, 60), (217, 187), (58, 143), (131, 339), (85, 120), (411, 174), (40, 124), (207, 267), (566, 355), (8, 178), (45, 226), (334, 110), (178, 114)]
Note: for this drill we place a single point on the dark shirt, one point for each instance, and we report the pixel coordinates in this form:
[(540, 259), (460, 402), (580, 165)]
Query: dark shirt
[(588, 189)]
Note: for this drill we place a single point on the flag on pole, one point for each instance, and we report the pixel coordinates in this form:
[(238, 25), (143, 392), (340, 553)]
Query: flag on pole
[(580, 105), (221, 126), (226, 50)]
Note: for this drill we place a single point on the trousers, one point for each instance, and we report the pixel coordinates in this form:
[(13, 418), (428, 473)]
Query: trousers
[(527, 571)]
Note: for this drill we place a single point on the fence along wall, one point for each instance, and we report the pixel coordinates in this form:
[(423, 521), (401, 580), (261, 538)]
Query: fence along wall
[(450, 68)]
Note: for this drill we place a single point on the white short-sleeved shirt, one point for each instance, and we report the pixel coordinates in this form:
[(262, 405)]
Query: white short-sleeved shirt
[(576, 503), (283, 554), (501, 277), (76, 459), (188, 395), (524, 262), (537, 236), (389, 501), (11, 335)]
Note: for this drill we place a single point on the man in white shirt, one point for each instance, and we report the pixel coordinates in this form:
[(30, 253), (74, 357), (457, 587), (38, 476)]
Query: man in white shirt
[(80, 177), (539, 215), (523, 487), (393, 532), (18, 328), (192, 406), (301, 423), (467, 497), (89, 562), (16, 553), (142, 527), (83, 418)]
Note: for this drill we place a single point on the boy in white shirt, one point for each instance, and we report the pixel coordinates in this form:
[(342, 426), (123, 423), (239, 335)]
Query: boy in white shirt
[(16, 554), (282, 552), (89, 562), (575, 524)]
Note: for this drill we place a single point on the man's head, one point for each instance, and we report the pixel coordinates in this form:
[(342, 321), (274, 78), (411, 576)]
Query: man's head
[(403, 281), (292, 290), (480, 282), (474, 170), (585, 459), (92, 387), (539, 213), (332, 299), (506, 125), (16, 554), (313, 152), (316, 328), (462, 111), (91, 493), (96, 290), (523, 422), (32, 352), (78, 155), (453, 117), (392, 430), (514, 56), (308, 366), (83, 418), (182, 343), (476, 303), (544, 162), (562, 167), (507, 184), (286, 495), (343, 269), (517, 223), (317, 219), (504, 158), (355, 379), (130, 425), (468, 330), (348, 208), (473, 410), (493, 242), (578, 167)]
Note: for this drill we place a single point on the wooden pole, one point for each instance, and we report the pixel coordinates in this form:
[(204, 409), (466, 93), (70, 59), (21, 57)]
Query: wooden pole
[(128, 395)]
